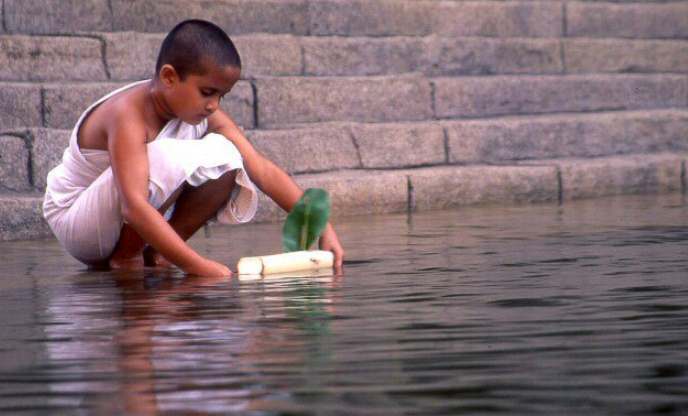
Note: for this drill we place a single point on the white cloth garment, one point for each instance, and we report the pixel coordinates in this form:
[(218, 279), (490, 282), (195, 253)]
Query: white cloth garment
[(82, 204)]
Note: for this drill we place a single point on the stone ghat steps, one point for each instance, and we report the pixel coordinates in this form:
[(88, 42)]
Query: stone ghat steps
[(356, 192), (277, 102), (131, 56), (550, 18), (27, 155)]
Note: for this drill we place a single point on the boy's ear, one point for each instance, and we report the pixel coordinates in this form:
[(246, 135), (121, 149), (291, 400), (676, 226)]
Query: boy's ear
[(168, 75)]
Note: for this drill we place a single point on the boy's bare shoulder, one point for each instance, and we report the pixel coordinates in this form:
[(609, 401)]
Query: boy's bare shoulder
[(120, 114), (127, 113)]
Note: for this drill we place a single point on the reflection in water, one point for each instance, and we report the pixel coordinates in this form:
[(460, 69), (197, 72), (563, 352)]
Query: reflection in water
[(141, 340), (543, 309)]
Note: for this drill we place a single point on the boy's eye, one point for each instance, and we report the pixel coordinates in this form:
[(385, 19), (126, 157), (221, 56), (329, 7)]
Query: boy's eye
[(206, 93)]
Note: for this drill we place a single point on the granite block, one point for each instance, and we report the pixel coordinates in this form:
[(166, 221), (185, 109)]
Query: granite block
[(624, 55), (57, 16), (452, 186), (284, 101), (14, 164), (233, 16), (307, 150), (634, 20), (20, 105), (498, 95), (399, 145), (47, 147), (50, 58)]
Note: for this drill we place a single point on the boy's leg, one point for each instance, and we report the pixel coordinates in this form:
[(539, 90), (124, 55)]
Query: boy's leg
[(194, 206), (127, 252)]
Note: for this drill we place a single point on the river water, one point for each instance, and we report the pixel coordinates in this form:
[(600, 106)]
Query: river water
[(527, 310)]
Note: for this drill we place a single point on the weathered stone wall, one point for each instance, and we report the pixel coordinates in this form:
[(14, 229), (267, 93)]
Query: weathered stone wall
[(385, 103)]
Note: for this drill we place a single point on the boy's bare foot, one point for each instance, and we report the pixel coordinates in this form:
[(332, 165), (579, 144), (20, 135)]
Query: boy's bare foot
[(131, 263), (151, 258)]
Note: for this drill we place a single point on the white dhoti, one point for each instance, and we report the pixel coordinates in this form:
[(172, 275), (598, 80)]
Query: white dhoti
[(82, 203)]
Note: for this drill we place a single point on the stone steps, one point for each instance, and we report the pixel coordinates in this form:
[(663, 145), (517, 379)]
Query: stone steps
[(26, 155), (131, 56), (277, 102), (356, 192), (356, 17), (385, 103)]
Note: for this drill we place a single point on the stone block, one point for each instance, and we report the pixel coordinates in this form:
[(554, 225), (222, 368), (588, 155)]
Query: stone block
[(399, 145), (452, 186), (283, 101), (233, 16), (336, 56), (370, 18), (635, 20), (587, 135), (352, 192), (485, 56), (14, 164), (657, 131), (588, 178), (57, 16), (621, 55), (238, 104), (20, 105), (131, 56), (481, 96), (50, 58), (307, 150), (21, 218), (361, 191), (269, 55), (64, 103), (497, 18), (47, 147)]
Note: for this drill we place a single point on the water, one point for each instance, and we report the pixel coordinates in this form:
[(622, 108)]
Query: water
[(532, 310)]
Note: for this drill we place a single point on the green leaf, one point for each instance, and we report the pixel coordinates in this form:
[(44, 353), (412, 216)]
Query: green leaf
[(307, 220)]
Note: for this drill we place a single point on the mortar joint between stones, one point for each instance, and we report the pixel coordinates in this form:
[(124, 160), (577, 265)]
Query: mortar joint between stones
[(303, 59), (4, 17), (432, 100), (112, 15), (43, 115), (357, 147), (254, 90), (410, 195), (28, 142), (684, 180), (560, 185), (564, 18), (445, 142), (103, 57)]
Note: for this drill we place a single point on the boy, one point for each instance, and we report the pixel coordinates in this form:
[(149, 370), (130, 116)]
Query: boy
[(160, 143)]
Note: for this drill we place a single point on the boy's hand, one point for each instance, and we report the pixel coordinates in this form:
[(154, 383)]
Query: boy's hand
[(330, 242), (209, 268)]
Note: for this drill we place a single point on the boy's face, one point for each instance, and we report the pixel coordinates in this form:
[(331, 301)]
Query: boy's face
[(198, 96)]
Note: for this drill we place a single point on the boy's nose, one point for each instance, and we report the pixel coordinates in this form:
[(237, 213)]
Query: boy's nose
[(212, 105)]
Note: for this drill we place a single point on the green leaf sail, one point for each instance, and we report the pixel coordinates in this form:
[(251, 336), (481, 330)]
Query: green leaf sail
[(307, 220)]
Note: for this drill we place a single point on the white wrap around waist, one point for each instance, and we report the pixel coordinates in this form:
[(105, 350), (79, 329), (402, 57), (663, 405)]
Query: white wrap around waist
[(82, 204)]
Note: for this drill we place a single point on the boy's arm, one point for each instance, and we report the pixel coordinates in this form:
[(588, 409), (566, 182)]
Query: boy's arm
[(129, 161), (270, 178)]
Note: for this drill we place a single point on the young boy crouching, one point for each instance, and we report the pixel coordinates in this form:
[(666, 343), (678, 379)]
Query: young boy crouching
[(158, 143)]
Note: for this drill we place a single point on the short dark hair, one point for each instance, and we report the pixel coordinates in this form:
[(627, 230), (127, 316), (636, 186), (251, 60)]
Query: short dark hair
[(193, 43)]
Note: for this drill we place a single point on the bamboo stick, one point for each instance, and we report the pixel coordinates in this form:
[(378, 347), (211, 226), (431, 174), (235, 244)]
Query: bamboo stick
[(286, 262)]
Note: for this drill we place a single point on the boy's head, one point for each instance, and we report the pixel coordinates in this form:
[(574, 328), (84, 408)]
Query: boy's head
[(193, 45), (197, 65)]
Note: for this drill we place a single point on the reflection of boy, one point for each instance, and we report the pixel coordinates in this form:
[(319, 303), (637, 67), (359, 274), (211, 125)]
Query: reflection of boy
[(130, 158)]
